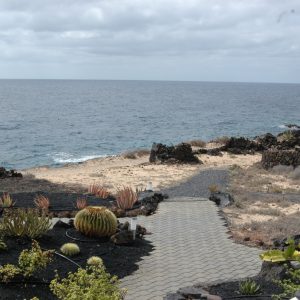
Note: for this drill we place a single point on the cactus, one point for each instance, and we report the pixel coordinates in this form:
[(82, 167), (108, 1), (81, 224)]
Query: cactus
[(96, 221), (70, 249), (95, 261)]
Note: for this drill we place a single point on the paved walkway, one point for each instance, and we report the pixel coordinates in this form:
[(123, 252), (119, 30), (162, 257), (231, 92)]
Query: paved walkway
[(191, 246)]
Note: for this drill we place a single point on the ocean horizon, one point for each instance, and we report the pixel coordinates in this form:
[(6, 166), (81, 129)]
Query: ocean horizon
[(53, 122)]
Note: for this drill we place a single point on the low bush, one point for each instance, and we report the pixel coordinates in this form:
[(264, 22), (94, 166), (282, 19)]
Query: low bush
[(8, 272), (87, 284), (213, 188), (136, 153), (295, 175), (24, 223), (34, 259)]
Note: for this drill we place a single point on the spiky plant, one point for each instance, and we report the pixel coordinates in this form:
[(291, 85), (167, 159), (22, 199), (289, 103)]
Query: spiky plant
[(96, 221), (42, 202), (70, 249), (126, 197), (98, 191), (249, 287), (95, 261), (81, 203), (6, 201)]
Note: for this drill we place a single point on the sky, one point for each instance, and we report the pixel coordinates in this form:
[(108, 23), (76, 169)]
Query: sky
[(189, 40)]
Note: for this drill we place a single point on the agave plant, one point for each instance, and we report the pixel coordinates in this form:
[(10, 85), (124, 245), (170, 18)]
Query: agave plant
[(126, 197), (6, 201), (276, 255), (98, 191), (249, 287), (42, 202), (81, 203)]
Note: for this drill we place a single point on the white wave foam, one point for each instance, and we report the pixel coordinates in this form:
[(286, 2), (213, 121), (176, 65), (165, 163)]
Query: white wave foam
[(63, 158), (282, 126)]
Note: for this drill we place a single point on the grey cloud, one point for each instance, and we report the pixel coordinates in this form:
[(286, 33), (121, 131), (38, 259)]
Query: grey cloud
[(92, 32)]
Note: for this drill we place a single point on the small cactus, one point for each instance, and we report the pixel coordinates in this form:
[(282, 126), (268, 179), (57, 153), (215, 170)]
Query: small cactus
[(70, 249), (96, 221), (95, 261)]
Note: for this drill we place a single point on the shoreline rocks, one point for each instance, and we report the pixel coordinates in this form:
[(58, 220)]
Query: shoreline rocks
[(274, 157), (9, 173)]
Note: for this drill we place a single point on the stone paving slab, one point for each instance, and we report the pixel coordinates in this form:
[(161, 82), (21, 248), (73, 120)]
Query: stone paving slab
[(191, 245)]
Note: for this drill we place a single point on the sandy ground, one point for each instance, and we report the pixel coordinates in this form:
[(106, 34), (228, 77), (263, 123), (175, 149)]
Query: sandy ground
[(114, 172)]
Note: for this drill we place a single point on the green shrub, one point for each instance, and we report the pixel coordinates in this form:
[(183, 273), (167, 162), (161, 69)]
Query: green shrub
[(289, 286), (8, 272), (24, 223), (96, 221), (34, 259), (87, 284), (249, 287), (70, 249)]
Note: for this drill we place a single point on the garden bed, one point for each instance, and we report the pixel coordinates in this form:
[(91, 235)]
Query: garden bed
[(119, 260)]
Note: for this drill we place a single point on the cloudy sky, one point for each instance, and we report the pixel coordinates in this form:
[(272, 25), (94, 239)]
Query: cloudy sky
[(211, 40)]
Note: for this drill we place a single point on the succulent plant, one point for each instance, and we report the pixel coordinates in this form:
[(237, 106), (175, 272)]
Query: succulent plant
[(70, 249), (95, 261), (126, 197), (96, 221)]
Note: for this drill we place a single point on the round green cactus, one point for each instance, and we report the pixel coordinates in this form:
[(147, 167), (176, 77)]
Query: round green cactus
[(95, 261), (96, 221), (70, 249)]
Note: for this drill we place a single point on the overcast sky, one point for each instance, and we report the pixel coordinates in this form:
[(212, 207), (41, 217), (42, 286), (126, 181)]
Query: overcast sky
[(225, 40)]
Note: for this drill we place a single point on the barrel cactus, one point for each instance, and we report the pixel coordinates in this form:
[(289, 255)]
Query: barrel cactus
[(96, 221), (70, 249)]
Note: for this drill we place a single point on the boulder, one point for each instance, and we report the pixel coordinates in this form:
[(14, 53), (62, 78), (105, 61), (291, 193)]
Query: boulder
[(124, 236), (180, 153), (266, 141), (191, 292), (288, 139), (240, 145), (274, 157), (9, 173), (221, 199)]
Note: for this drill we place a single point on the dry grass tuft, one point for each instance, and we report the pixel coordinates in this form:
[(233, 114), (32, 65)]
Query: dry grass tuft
[(221, 140), (126, 197), (136, 153), (41, 202), (213, 188), (197, 143), (98, 191)]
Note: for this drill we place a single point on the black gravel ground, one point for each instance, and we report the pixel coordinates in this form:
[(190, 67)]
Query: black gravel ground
[(198, 185)]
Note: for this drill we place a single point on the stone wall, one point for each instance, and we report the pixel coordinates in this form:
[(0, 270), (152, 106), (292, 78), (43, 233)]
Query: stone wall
[(274, 157)]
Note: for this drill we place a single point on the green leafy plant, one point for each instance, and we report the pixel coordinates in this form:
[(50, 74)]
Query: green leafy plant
[(70, 249), (275, 255), (126, 197), (6, 201), (87, 284), (8, 272), (24, 223), (96, 221), (249, 287), (95, 261), (34, 259), (289, 286)]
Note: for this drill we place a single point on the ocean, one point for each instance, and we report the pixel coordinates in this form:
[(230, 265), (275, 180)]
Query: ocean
[(52, 122)]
